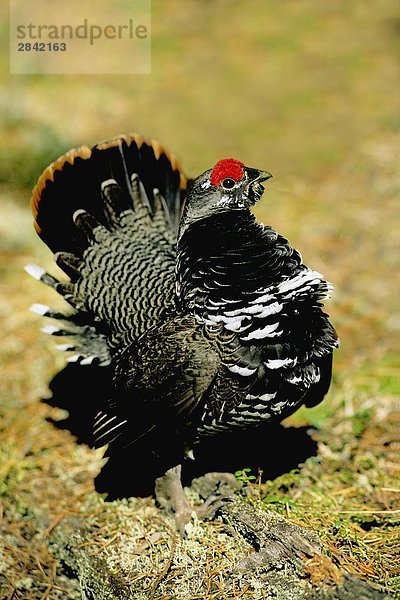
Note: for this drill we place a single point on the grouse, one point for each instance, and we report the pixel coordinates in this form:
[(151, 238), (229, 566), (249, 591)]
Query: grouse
[(206, 320)]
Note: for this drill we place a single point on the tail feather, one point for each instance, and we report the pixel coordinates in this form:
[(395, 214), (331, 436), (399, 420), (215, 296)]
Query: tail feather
[(110, 214), (115, 202), (88, 341), (64, 288), (90, 345), (75, 181), (69, 263)]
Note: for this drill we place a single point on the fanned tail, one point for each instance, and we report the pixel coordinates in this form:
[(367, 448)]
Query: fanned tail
[(110, 213), (88, 345), (74, 182)]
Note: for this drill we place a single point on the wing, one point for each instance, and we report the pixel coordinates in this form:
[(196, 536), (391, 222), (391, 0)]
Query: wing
[(163, 380), (251, 281)]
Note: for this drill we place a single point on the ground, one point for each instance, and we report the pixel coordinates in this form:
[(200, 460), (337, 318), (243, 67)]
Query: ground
[(309, 92)]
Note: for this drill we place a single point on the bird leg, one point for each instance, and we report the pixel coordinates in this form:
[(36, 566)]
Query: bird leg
[(170, 496), (213, 487)]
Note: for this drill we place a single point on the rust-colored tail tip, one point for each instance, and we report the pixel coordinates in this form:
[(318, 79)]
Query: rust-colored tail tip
[(85, 152)]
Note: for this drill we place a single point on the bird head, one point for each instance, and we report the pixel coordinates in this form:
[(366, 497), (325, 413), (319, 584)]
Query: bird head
[(229, 186)]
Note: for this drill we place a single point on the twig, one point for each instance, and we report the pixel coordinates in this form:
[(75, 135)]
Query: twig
[(168, 564), (54, 524), (366, 512), (106, 544)]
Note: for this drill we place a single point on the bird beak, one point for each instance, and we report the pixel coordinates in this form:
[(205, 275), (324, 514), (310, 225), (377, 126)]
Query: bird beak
[(255, 175), (254, 190), (264, 175)]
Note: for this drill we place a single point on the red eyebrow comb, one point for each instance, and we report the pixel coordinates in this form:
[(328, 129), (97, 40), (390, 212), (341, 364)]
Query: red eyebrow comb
[(227, 168)]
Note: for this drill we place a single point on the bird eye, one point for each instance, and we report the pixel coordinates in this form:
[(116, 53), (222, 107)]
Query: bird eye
[(228, 183)]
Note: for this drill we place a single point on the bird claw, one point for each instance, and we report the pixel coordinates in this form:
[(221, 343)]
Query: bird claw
[(211, 506), (215, 488), (220, 485)]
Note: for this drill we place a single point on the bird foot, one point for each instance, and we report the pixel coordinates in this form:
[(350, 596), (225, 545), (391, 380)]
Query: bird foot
[(215, 483), (215, 488), (171, 497)]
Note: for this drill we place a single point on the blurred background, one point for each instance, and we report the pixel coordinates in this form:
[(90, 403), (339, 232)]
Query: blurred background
[(307, 90)]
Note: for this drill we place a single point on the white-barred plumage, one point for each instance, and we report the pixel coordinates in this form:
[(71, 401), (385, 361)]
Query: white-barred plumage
[(205, 319)]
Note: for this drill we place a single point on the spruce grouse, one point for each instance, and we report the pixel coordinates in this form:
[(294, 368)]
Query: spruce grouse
[(206, 320)]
